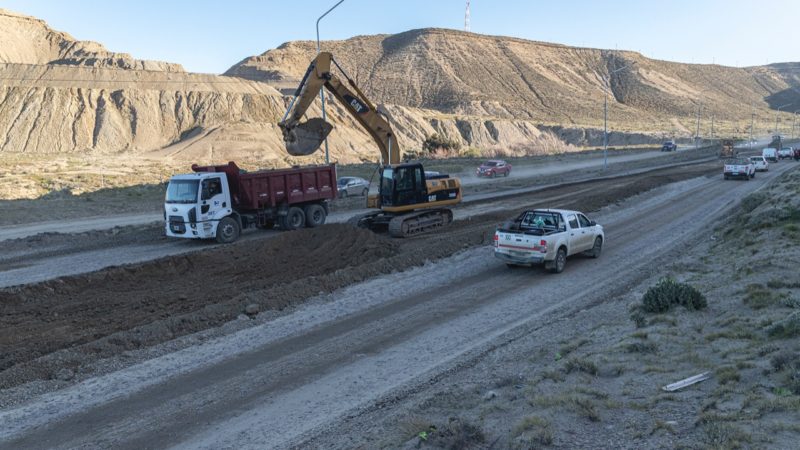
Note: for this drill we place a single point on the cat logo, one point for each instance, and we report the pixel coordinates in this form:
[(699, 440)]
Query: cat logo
[(357, 105)]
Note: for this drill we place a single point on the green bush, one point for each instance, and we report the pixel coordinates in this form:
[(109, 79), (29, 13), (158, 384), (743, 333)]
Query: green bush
[(668, 292), (436, 142), (786, 328)]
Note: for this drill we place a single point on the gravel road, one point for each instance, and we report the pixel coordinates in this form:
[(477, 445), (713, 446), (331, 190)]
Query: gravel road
[(291, 380), (43, 251)]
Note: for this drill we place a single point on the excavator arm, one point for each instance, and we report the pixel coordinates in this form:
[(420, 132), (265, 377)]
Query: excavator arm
[(304, 138)]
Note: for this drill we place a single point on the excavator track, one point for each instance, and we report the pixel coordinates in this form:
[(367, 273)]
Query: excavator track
[(419, 222)]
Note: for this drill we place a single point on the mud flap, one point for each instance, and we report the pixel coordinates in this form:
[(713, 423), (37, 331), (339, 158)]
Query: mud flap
[(307, 137)]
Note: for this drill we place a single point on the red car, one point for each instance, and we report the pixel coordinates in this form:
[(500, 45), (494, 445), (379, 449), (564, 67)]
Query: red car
[(493, 168)]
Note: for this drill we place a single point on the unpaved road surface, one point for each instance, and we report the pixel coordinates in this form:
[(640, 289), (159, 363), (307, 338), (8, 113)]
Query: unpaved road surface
[(87, 245), (351, 350)]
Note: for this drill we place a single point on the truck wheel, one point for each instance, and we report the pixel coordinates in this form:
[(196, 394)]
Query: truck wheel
[(560, 261), (294, 219), (597, 248), (227, 230), (315, 215)]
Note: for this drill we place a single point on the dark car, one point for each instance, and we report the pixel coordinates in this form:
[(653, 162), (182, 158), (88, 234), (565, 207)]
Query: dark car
[(493, 168), (352, 186), (669, 146)]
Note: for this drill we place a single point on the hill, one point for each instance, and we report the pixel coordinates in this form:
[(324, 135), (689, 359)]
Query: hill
[(493, 76)]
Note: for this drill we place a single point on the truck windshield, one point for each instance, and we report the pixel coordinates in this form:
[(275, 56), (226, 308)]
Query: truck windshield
[(182, 191)]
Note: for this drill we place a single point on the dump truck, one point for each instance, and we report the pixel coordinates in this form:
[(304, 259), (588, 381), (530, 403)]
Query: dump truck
[(218, 202), (727, 151)]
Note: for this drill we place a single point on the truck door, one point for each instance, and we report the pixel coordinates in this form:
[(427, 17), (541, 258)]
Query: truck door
[(587, 232), (214, 200), (574, 235)]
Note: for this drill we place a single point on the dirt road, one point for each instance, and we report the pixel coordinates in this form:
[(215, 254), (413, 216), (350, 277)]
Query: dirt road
[(86, 245), (274, 384)]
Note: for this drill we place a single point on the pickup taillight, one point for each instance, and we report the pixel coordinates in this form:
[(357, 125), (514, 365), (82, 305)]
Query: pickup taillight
[(542, 247), (496, 240)]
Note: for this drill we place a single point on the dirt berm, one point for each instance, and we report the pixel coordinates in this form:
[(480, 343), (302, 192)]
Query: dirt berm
[(55, 329)]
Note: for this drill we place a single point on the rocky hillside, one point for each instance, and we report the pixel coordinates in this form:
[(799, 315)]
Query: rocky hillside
[(29, 40), (471, 74), (63, 96)]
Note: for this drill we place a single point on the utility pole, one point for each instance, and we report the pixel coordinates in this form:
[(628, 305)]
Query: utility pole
[(752, 122), (322, 91), (712, 128), (697, 132)]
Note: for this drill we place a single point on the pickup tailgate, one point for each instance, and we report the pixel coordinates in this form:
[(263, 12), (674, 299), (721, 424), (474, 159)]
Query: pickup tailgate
[(519, 247), (736, 169)]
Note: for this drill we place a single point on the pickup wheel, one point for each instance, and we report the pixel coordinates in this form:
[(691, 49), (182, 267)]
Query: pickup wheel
[(597, 248), (294, 219), (343, 194), (364, 192), (315, 215), (227, 230), (560, 261)]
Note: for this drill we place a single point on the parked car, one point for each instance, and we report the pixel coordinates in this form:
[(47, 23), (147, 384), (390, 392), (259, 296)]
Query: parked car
[(669, 146), (739, 168), (770, 154), (785, 153), (760, 163), (352, 186), (493, 168), (547, 236)]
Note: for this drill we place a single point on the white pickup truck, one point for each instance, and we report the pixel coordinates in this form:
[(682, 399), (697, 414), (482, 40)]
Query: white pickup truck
[(547, 236), (739, 168)]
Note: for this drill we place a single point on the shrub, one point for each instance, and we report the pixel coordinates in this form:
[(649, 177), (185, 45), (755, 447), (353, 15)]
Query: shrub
[(668, 292), (786, 328), (436, 143)]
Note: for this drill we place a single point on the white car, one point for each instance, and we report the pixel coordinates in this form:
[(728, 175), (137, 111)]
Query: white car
[(739, 168), (786, 153), (770, 154), (547, 236), (760, 162)]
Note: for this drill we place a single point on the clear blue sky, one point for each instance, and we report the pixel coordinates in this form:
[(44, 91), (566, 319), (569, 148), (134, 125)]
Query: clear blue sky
[(210, 36)]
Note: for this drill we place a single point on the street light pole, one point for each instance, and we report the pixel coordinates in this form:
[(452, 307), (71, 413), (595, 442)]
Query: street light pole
[(697, 132), (322, 91), (752, 122)]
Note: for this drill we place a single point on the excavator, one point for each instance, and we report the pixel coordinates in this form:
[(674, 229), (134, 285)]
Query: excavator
[(409, 201)]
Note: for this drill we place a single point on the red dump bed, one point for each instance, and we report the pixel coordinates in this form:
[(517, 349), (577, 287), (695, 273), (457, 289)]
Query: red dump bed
[(251, 191)]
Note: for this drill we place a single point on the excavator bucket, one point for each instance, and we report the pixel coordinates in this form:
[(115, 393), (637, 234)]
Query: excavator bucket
[(306, 138)]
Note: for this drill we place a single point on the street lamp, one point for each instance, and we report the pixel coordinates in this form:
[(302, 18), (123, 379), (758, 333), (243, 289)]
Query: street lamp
[(697, 132), (322, 91), (607, 81)]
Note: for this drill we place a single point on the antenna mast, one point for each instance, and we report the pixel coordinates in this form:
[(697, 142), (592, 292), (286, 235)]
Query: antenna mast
[(466, 18)]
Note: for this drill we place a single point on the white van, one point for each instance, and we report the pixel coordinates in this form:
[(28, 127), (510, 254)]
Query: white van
[(770, 154)]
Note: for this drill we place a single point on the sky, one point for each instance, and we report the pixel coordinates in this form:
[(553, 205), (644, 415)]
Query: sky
[(211, 36)]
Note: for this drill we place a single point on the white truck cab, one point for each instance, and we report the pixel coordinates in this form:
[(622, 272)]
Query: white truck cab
[(195, 204)]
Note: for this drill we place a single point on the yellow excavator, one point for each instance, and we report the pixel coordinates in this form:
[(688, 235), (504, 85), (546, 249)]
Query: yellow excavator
[(410, 201)]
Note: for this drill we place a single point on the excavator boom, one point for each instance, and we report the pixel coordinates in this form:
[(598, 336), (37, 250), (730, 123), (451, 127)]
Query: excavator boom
[(304, 138)]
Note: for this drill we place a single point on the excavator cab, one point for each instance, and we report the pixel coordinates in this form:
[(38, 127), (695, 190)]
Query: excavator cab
[(403, 185)]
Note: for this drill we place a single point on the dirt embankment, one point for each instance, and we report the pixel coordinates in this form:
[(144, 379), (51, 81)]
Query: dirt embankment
[(53, 330)]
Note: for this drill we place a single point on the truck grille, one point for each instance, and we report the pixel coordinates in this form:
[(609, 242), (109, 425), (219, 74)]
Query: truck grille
[(176, 225)]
